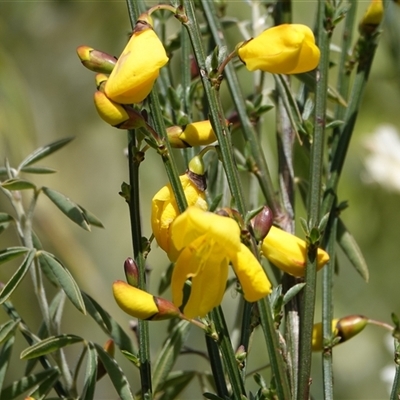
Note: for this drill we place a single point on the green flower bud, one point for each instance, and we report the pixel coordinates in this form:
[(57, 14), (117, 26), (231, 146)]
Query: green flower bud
[(96, 60), (131, 272)]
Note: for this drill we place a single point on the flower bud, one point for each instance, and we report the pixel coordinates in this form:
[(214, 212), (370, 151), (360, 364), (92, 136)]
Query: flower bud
[(283, 49), (96, 60), (372, 18), (143, 305), (131, 272), (288, 252), (262, 223), (138, 67), (343, 328), (117, 115), (198, 134)]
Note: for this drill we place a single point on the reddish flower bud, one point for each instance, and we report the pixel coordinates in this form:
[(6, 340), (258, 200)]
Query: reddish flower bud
[(96, 60), (262, 223)]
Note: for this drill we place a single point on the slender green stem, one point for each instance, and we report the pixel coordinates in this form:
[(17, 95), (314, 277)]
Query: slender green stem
[(327, 308), (261, 170), (216, 113), (314, 206), (228, 355), (395, 393), (274, 350)]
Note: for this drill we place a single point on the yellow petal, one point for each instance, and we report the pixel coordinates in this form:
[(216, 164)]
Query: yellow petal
[(203, 261), (372, 17), (111, 112), (283, 49), (288, 252), (164, 210), (198, 134), (195, 222), (137, 68), (134, 301), (252, 278)]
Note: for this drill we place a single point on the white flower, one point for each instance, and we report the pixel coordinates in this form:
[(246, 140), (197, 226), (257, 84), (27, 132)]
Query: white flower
[(382, 165)]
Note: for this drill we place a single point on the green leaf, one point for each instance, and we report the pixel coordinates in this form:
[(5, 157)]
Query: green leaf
[(49, 345), (5, 355), (108, 324), (46, 386), (292, 292), (116, 374), (7, 329), (43, 152), (64, 279), (350, 247), (91, 218), (175, 383), (169, 353), (24, 384), (38, 170), (11, 252), (12, 284), (68, 207), (17, 184), (5, 220), (89, 383), (165, 279), (131, 357)]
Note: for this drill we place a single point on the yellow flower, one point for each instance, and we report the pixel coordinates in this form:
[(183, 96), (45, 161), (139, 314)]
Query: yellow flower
[(372, 17), (164, 210), (288, 252), (198, 134), (283, 49), (344, 328), (111, 112), (137, 68), (207, 243), (142, 305)]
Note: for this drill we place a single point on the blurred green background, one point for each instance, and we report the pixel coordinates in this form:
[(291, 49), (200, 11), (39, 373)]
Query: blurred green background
[(46, 95)]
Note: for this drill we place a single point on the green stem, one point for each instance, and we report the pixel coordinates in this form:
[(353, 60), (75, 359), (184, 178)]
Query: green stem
[(261, 170), (314, 206), (228, 355), (216, 113), (274, 350), (327, 308)]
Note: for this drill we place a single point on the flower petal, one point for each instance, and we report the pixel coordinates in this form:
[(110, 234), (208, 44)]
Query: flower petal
[(134, 301), (255, 283), (288, 252), (204, 263), (137, 68), (195, 222)]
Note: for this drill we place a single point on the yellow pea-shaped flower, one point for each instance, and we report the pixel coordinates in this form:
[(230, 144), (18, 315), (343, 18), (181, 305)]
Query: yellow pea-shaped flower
[(288, 252), (283, 49), (137, 68)]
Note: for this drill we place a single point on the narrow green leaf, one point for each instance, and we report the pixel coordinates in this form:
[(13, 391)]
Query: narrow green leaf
[(64, 279), (116, 374), (68, 207), (7, 329), (49, 345), (5, 355), (46, 385), (108, 324), (24, 384), (17, 184), (43, 152), (212, 396), (12, 284), (350, 247), (131, 357), (165, 279), (292, 292), (169, 353), (89, 383), (38, 170), (175, 383), (91, 218), (11, 252), (5, 220)]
